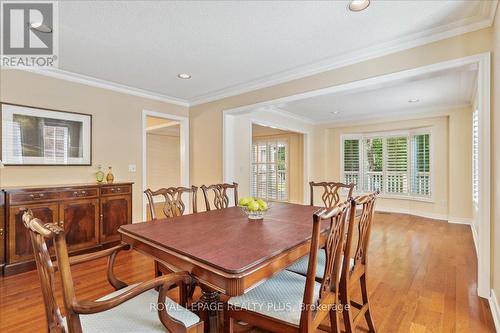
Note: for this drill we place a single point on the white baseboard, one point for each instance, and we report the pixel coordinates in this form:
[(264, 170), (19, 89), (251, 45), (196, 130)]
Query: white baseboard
[(459, 220), (495, 310), (475, 238), (414, 212)]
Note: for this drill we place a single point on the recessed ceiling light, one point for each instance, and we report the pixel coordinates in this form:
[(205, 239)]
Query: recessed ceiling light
[(358, 5), (334, 112), (184, 76), (40, 27), (413, 100)]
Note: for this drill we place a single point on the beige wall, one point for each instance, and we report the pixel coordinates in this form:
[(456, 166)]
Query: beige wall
[(495, 188), (445, 178), (163, 161), (116, 129), (295, 159)]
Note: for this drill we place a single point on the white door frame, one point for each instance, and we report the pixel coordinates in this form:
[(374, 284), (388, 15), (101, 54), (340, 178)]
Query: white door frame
[(184, 147), (483, 63), (228, 151)]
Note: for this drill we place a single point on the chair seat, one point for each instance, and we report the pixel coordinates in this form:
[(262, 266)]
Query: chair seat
[(279, 297), (136, 315), (300, 266)]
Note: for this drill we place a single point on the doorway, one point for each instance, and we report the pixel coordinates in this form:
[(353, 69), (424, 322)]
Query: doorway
[(165, 156), (277, 171)]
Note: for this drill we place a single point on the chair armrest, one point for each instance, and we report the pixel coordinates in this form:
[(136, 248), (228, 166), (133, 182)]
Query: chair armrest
[(75, 260), (165, 281), (110, 253)]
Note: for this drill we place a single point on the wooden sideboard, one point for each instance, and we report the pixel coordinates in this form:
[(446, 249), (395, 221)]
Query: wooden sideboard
[(90, 214)]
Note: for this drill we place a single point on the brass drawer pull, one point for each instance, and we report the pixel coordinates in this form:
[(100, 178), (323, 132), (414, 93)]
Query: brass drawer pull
[(36, 196), (79, 194), (1, 232)]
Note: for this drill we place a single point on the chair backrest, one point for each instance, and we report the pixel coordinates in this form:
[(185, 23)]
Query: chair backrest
[(172, 205), (221, 199), (331, 195), (40, 234), (313, 313), (357, 249)]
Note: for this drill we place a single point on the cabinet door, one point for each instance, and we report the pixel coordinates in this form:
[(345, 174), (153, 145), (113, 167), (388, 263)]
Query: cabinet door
[(115, 211), (81, 223), (19, 239)]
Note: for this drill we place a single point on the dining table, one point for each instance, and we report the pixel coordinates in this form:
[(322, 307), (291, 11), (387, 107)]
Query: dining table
[(224, 251)]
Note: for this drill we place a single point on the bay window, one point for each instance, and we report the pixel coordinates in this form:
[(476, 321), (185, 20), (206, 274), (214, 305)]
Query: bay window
[(394, 163)]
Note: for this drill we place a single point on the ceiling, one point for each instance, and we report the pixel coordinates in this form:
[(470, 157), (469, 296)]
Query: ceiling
[(435, 91), (234, 46)]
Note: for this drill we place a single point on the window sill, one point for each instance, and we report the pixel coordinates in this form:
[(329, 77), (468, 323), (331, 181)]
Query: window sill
[(402, 197)]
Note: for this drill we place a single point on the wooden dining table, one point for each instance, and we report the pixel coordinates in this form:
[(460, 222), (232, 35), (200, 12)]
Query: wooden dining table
[(225, 251)]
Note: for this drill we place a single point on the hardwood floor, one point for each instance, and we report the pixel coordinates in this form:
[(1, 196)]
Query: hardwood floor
[(421, 279)]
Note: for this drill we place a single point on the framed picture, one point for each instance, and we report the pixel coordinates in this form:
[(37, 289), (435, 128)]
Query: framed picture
[(36, 136)]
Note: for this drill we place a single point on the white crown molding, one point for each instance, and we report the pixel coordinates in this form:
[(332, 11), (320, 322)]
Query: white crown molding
[(495, 309), (98, 83), (417, 39)]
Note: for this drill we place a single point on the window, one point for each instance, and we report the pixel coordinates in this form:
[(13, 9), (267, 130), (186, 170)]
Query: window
[(270, 170), (394, 163), (475, 158), (351, 162)]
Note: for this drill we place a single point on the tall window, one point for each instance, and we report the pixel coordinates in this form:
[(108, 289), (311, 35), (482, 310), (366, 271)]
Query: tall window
[(392, 163), (475, 158), (270, 170)]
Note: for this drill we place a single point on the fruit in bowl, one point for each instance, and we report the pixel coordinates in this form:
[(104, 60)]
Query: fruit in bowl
[(255, 208)]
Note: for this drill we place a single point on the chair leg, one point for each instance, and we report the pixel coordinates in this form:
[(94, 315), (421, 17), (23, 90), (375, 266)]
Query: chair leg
[(368, 313), (334, 320), (346, 311)]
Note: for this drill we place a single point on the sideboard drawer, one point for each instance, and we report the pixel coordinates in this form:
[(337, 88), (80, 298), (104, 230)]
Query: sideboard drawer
[(80, 193), (30, 197), (113, 190)]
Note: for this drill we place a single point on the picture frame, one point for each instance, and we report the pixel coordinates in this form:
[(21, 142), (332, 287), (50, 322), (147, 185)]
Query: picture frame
[(34, 136)]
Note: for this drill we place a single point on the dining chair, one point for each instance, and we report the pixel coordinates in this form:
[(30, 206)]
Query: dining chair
[(330, 197), (355, 264), (172, 206), (127, 309), (290, 302), (221, 198)]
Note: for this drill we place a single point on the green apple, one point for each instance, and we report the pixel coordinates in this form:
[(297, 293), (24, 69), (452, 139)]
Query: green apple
[(245, 201), (253, 206), (262, 205)]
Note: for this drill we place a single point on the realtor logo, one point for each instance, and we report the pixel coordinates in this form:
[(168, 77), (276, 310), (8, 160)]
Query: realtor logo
[(29, 33)]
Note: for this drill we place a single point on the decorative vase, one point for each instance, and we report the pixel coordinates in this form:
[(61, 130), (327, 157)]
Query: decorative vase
[(110, 178), (99, 175)]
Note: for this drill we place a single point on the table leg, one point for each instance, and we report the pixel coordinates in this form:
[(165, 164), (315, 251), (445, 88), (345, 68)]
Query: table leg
[(210, 304)]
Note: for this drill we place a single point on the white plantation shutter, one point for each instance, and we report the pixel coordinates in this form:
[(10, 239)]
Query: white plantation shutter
[(421, 177), (55, 144), (352, 162), (396, 164), (270, 170), (373, 174), (475, 157)]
